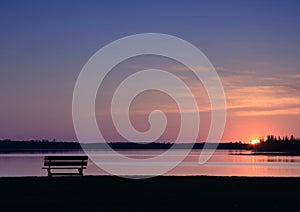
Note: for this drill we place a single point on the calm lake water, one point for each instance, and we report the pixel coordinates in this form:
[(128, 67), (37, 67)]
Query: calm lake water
[(222, 163)]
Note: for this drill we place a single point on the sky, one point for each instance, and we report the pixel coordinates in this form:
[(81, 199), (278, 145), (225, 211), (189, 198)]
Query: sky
[(253, 45)]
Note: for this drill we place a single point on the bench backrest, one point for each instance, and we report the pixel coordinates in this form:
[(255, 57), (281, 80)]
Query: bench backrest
[(66, 160)]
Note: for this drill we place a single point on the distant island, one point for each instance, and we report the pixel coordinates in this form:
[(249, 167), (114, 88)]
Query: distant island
[(277, 144)]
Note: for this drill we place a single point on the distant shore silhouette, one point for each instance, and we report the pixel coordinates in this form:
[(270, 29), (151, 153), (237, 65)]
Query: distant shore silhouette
[(282, 144), (45, 145), (272, 145)]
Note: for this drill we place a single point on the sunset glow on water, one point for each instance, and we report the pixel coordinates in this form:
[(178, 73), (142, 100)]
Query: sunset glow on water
[(222, 163)]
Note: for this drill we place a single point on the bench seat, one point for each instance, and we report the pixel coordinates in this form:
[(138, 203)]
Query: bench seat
[(78, 163)]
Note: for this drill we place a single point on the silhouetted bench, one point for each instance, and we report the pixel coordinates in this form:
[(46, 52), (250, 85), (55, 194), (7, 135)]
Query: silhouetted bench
[(65, 163)]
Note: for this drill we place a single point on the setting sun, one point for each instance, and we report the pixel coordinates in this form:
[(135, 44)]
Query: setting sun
[(255, 141)]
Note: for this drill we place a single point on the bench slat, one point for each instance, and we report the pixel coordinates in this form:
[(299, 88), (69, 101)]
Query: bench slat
[(65, 163), (75, 167), (66, 157)]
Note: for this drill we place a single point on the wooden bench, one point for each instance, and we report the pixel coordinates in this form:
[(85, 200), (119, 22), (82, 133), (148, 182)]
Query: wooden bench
[(65, 163)]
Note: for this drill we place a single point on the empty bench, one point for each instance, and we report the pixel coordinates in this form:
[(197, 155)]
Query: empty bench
[(78, 163)]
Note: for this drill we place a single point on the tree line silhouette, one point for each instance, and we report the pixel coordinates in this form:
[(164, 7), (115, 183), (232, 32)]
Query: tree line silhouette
[(287, 144), (46, 145), (8, 145), (272, 138), (272, 143)]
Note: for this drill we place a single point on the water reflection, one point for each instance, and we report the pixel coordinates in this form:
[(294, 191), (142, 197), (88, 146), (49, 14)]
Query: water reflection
[(222, 163), (280, 160)]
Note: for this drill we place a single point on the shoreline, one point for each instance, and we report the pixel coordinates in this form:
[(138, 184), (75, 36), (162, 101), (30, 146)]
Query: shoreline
[(143, 177), (159, 193)]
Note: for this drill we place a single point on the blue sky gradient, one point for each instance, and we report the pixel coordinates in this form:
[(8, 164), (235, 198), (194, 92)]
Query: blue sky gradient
[(254, 46)]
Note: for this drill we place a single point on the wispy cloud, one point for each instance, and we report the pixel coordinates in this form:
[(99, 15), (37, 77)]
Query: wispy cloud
[(255, 93), (248, 92)]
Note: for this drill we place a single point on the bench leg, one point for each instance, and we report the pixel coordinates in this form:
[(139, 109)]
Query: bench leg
[(80, 171), (49, 173)]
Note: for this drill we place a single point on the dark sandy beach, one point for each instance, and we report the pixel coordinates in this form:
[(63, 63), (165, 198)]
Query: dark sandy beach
[(91, 193)]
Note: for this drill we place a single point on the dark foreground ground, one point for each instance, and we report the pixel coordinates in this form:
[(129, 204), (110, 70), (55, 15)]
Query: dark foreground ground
[(160, 193)]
